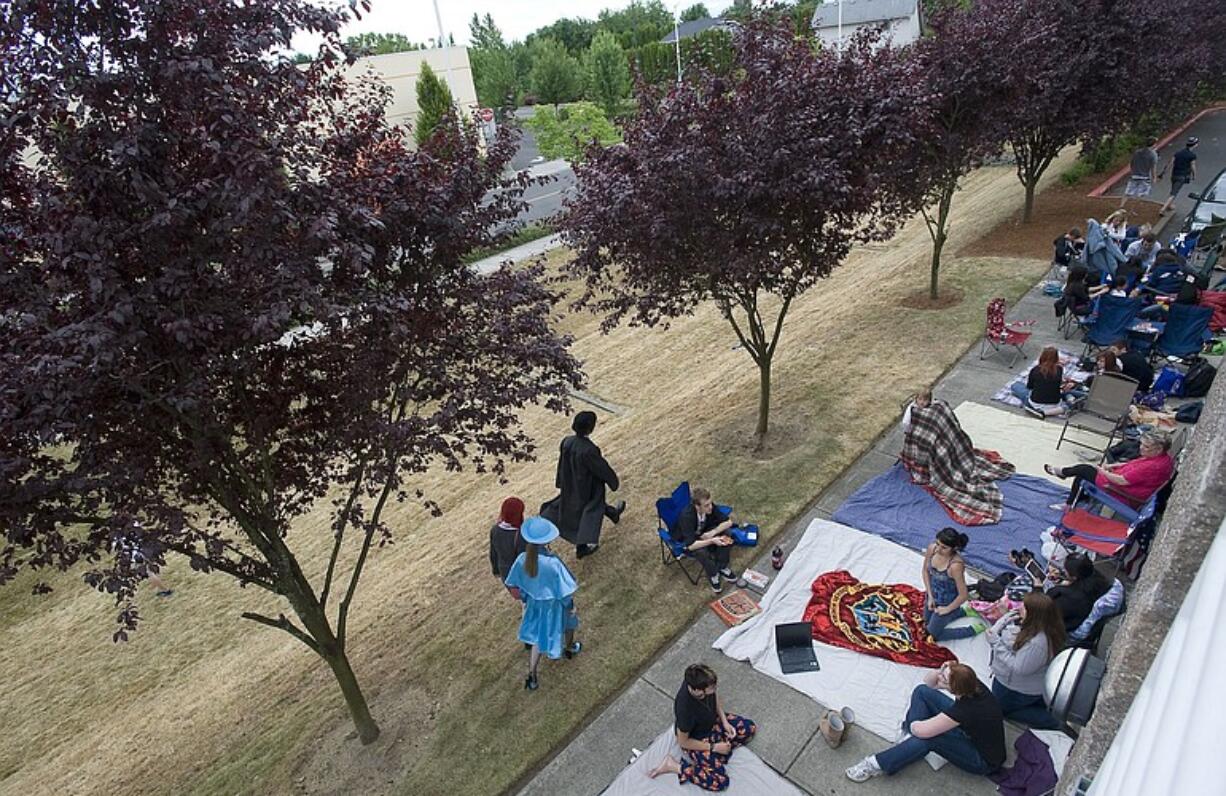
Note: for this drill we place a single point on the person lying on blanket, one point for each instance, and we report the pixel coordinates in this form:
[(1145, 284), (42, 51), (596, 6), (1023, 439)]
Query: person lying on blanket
[(945, 597), (941, 459), (968, 730), (706, 733)]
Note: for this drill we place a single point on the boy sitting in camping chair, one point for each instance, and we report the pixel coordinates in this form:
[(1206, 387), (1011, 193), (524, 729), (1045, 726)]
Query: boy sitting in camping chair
[(704, 530)]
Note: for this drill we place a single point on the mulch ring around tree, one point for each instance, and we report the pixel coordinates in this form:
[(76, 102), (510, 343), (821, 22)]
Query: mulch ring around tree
[(1056, 210), (920, 300)]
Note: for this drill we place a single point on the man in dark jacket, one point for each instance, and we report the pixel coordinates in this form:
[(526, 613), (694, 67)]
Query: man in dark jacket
[(583, 474), (703, 529)]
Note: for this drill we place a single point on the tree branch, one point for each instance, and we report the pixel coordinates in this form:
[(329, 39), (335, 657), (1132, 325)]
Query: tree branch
[(283, 623), (339, 534)]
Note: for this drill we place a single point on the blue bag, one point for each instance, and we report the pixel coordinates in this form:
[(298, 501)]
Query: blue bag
[(1169, 380), (745, 535)]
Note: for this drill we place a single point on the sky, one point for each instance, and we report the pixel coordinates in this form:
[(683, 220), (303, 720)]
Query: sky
[(516, 18)]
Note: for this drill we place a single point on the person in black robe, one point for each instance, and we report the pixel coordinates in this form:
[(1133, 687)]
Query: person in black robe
[(583, 475)]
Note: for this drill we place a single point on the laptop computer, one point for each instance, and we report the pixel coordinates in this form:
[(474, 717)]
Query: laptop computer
[(794, 644)]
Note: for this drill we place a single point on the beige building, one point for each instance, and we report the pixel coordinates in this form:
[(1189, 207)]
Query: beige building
[(400, 71)]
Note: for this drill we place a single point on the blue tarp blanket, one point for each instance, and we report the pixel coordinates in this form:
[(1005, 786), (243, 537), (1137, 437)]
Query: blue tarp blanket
[(892, 507)]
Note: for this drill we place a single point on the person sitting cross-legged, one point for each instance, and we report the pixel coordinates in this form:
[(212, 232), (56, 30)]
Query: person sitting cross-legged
[(706, 733), (968, 729), (703, 529)]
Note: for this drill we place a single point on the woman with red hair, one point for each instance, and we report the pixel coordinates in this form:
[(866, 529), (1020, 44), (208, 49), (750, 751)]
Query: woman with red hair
[(506, 543), (1043, 392)]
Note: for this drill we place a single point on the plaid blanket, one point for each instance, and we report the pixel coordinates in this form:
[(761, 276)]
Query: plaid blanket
[(940, 457)]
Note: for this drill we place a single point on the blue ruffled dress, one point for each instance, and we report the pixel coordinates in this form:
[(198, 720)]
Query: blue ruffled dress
[(549, 607)]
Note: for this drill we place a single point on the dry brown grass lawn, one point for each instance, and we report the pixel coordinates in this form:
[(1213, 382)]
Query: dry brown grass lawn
[(200, 702)]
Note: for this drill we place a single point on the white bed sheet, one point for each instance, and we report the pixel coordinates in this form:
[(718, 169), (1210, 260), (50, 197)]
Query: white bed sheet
[(878, 690), (747, 774), (1026, 442)]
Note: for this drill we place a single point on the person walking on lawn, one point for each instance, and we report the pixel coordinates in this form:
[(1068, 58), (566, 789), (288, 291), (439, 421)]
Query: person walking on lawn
[(540, 580), (583, 476)]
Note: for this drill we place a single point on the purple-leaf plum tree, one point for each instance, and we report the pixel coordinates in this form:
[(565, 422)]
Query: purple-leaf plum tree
[(747, 190), (232, 294)]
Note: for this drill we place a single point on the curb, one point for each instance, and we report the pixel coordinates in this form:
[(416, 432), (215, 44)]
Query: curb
[(1168, 138)]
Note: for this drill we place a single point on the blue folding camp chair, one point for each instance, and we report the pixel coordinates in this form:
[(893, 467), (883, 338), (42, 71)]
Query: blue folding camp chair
[(668, 511), (1187, 327), (1114, 315)]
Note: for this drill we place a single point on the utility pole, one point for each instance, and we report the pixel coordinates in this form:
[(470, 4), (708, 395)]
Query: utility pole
[(677, 42)]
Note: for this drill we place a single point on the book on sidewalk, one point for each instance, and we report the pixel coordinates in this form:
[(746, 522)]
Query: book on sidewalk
[(756, 580), (736, 607)]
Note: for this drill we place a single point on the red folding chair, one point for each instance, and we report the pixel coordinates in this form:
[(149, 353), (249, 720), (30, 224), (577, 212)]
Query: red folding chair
[(1105, 537), (999, 334)]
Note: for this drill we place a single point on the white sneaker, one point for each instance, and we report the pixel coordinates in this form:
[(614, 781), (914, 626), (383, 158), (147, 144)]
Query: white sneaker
[(635, 754), (865, 770), (935, 761)]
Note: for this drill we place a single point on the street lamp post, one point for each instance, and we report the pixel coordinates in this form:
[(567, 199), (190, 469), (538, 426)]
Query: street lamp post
[(677, 42)]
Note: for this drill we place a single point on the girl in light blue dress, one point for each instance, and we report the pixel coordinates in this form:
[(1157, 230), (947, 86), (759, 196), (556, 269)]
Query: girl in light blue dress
[(546, 586)]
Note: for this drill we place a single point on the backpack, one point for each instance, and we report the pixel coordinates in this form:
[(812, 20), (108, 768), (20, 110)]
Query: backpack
[(1189, 413), (1199, 379)]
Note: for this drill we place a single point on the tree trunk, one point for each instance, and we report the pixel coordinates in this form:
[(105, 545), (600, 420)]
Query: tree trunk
[(367, 729), (764, 401), (938, 243), (1031, 182)]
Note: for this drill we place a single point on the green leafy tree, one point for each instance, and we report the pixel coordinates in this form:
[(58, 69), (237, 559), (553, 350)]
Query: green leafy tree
[(696, 11), (608, 73), (381, 44), (555, 73), (638, 23), (494, 77), (574, 34), (567, 132), (483, 34), (656, 63), (434, 103)]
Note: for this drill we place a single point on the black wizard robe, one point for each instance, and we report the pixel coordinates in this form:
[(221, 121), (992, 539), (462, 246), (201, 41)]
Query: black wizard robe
[(583, 475)]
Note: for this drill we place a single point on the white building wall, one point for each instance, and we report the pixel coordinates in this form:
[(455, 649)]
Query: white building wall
[(1171, 741), (400, 71), (899, 31)]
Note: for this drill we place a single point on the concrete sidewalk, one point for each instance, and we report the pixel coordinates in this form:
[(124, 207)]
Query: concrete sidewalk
[(525, 251), (787, 720)]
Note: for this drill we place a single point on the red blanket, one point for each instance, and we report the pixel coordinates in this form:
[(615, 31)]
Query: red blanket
[(883, 620), (1217, 300)]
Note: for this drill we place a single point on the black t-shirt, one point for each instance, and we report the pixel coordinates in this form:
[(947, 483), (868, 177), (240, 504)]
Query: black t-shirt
[(1135, 366), (1181, 164), (1076, 294), (692, 716), (1045, 389), (1076, 600), (980, 718)]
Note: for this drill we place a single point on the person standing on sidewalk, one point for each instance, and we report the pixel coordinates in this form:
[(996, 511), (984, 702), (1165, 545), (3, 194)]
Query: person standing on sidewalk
[(583, 475), (1183, 171), (1144, 171)]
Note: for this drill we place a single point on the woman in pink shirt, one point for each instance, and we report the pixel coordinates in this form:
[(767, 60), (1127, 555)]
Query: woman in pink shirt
[(1134, 481)]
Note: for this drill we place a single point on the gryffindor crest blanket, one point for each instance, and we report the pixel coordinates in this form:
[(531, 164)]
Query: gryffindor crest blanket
[(885, 620)]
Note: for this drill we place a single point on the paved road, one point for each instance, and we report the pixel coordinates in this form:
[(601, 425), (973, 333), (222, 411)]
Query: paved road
[(1210, 159), (543, 200)]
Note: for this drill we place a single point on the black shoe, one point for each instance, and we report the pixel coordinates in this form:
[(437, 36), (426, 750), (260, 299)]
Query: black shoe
[(727, 574), (572, 650), (585, 550), (530, 684), (618, 508), (717, 585), (1034, 410)]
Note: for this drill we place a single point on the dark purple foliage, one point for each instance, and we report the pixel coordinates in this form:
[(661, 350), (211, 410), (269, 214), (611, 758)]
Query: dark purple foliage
[(728, 189), (228, 285)]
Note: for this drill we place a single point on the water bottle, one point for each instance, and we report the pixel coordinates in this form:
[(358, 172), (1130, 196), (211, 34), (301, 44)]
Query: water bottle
[(777, 558)]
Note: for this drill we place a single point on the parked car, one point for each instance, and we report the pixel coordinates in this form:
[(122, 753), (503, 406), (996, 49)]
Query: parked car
[(1210, 204)]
